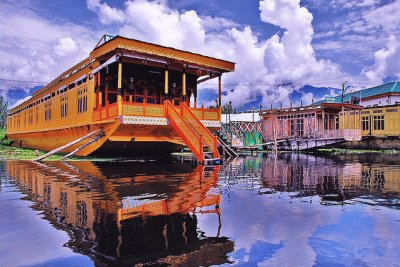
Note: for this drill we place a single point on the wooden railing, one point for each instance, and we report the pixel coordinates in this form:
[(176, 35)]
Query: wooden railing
[(324, 134), (207, 114), (346, 134), (201, 130), (143, 109), (106, 112), (188, 135)]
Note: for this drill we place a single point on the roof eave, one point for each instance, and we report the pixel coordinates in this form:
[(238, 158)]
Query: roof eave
[(124, 43)]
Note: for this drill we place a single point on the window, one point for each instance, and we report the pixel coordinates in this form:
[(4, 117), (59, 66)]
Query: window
[(47, 111), (64, 106), (337, 122), (30, 116), (300, 127), (365, 123), (82, 100), (379, 123), (292, 126), (281, 127)]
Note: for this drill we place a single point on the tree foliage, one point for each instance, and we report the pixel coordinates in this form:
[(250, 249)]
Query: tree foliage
[(228, 108), (3, 113)]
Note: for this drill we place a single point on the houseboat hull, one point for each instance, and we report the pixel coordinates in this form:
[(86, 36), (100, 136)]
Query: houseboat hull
[(119, 140)]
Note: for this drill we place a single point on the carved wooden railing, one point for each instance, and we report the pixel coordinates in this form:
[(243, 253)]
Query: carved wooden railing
[(200, 129), (207, 114), (106, 112), (143, 109), (188, 135)]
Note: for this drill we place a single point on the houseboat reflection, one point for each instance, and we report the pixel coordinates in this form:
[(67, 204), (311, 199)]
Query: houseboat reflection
[(122, 214), (310, 175)]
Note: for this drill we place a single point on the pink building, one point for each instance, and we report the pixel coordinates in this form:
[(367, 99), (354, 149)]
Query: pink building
[(309, 122)]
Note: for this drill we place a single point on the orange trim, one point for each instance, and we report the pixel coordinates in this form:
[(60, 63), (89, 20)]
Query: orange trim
[(188, 135), (120, 42), (209, 138)]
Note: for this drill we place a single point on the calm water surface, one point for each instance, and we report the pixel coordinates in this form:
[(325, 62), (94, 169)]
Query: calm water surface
[(285, 210)]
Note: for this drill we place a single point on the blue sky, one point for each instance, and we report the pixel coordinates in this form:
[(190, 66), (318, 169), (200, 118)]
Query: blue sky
[(279, 45)]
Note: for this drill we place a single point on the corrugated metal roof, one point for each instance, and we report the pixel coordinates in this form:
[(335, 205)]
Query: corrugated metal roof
[(392, 87)]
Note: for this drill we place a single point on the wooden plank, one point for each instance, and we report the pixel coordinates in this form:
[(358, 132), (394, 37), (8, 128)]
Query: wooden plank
[(230, 150), (67, 145), (100, 135)]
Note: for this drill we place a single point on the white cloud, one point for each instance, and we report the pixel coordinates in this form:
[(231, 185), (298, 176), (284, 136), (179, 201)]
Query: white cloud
[(65, 46), (107, 14), (386, 62), (385, 17), (262, 65), (352, 3), (34, 48)]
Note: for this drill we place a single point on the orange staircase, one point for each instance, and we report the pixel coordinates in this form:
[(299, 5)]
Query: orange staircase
[(202, 143)]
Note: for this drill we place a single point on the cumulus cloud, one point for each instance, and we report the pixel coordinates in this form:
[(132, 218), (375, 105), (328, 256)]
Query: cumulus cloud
[(385, 23), (363, 30), (107, 14), (66, 46), (386, 61), (267, 69), (352, 3), (33, 48)]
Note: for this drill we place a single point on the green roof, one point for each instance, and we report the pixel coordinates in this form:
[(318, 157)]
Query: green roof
[(392, 87)]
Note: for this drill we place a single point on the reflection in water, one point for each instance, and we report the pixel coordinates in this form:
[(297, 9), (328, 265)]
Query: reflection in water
[(119, 214), (284, 210), (310, 175)]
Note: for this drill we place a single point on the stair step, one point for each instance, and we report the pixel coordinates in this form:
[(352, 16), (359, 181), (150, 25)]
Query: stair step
[(212, 161)]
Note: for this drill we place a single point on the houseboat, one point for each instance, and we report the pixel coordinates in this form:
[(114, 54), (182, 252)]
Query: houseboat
[(298, 128), (135, 97), (371, 113)]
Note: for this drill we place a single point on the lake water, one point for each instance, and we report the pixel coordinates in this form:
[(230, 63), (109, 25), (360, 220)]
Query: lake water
[(285, 210)]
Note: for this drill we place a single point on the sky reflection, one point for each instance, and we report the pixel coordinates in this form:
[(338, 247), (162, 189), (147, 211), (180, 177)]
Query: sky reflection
[(288, 210)]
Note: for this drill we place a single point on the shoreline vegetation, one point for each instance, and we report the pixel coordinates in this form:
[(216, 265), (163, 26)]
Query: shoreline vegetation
[(8, 152)]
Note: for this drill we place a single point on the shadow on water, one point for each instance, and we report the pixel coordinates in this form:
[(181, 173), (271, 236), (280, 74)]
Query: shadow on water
[(251, 210)]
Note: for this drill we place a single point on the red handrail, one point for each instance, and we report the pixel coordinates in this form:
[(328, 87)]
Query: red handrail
[(188, 135), (199, 127)]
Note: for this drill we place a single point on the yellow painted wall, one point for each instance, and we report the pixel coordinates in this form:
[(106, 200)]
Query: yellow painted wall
[(33, 119), (391, 118)]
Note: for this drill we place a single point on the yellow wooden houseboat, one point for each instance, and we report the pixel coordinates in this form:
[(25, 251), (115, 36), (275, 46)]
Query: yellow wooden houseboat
[(379, 121), (135, 96)]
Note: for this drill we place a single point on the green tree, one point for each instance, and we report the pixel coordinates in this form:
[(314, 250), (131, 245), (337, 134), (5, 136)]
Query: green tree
[(227, 108), (3, 113)]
